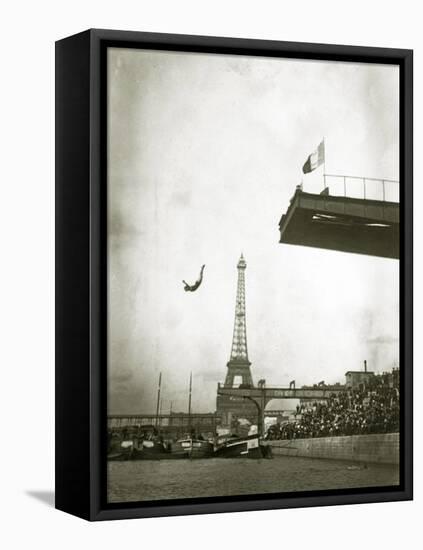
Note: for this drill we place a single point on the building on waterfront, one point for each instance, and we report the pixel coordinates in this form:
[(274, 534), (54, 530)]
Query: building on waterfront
[(238, 373), (356, 379)]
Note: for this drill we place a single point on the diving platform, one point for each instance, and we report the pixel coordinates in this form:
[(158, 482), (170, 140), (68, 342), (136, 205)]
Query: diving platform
[(347, 224)]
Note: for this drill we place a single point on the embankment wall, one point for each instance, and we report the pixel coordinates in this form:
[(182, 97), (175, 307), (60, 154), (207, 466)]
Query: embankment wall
[(374, 448)]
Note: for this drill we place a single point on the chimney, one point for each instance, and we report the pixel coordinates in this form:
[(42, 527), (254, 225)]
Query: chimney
[(365, 365)]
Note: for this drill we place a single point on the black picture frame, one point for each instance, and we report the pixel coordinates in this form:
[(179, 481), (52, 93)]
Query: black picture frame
[(81, 309)]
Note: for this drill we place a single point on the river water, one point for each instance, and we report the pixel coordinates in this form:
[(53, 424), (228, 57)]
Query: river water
[(166, 479)]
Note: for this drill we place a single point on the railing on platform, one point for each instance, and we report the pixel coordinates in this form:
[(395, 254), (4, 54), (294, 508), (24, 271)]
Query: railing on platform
[(384, 190)]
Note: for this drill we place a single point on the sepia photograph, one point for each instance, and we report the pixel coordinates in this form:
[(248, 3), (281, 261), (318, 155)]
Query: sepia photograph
[(253, 275)]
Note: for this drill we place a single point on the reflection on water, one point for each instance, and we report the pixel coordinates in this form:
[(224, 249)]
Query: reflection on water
[(166, 479)]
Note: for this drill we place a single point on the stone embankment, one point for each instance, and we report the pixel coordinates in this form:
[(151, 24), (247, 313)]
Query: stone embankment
[(372, 448)]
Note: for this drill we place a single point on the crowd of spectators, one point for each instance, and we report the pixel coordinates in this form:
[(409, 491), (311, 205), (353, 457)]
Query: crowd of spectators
[(372, 408)]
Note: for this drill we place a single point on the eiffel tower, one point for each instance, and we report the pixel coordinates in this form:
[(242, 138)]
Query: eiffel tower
[(239, 372)]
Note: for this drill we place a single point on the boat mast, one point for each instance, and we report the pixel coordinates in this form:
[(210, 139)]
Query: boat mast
[(158, 399), (189, 401)]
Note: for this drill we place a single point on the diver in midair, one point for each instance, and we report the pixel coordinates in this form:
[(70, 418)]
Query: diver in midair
[(192, 288)]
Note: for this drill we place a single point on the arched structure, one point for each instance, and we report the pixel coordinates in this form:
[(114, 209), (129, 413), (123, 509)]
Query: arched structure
[(262, 395)]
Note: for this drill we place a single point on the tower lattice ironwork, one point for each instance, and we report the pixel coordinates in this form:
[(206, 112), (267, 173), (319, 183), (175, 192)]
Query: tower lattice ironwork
[(239, 364)]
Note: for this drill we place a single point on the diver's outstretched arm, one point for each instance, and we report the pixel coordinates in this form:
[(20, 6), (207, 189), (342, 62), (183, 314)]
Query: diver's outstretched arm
[(201, 274)]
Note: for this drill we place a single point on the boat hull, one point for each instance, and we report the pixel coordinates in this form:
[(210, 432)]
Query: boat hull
[(155, 452), (242, 447), (191, 448), (147, 450)]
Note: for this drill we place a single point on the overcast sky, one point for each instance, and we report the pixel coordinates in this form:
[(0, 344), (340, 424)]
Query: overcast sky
[(205, 152)]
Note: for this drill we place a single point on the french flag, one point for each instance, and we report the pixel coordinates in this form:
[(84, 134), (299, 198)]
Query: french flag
[(315, 159)]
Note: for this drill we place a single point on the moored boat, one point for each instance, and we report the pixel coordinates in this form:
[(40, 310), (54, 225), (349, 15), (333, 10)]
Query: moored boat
[(152, 448), (191, 448), (242, 447), (236, 447)]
